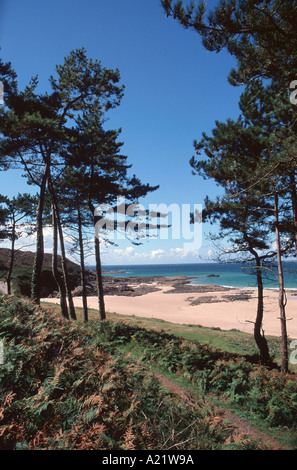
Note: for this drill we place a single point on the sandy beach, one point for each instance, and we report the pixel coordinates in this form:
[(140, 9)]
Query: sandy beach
[(210, 306)]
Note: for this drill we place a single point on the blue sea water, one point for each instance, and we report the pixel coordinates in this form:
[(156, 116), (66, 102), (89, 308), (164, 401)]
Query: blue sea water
[(227, 274)]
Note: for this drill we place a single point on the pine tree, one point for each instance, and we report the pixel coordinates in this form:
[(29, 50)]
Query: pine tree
[(244, 223), (71, 192), (260, 34), (101, 175), (20, 213), (27, 125), (247, 159), (45, 134), (38, 128)]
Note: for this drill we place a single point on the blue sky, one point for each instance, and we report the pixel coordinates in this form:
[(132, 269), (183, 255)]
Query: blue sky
[(174, 91)]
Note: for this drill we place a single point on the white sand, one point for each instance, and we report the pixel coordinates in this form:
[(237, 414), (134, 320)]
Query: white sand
[(176, 308)]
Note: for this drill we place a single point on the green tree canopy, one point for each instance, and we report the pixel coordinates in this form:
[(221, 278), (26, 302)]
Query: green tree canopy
[(260, 34)]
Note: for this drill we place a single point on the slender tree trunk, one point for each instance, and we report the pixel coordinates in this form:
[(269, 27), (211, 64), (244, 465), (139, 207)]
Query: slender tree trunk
[(8, 280), (258, 335), (99, 280), (65, 269), (100, 292), (82, 267), (38, 261), (281, 299), (63, 253), (258, 330), (56, 274), (294, 205)]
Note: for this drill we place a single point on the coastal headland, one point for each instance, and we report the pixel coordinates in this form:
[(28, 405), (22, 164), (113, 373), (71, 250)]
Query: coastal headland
[(178, 300)]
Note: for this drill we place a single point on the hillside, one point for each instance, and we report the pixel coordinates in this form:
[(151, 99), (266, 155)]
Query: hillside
[(21, 277), (101, 386), (26, 258), (65, 386), (135, 286)]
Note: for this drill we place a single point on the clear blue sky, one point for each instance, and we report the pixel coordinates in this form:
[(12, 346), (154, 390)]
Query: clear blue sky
[(175, 90)]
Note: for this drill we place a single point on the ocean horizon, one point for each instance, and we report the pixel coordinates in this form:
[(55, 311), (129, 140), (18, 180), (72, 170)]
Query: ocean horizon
[(223, 274)]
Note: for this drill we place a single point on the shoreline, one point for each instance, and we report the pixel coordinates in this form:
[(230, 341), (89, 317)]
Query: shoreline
[(177, 301)]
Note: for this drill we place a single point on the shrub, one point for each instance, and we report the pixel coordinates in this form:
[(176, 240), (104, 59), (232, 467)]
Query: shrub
[(274, 396)]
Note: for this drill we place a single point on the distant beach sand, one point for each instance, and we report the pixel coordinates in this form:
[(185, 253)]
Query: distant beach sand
[(213, 307)]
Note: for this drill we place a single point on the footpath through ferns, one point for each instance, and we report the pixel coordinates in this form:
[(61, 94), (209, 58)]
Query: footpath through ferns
[(241, 427), (68, 386)]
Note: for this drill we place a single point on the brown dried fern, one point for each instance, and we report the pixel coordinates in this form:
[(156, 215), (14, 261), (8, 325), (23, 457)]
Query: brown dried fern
[(129, 438)]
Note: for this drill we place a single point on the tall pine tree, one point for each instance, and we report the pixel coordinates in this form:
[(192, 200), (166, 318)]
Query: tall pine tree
[(247, 159)]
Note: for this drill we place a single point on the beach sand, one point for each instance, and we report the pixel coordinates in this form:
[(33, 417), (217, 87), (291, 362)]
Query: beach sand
[(213, 307)]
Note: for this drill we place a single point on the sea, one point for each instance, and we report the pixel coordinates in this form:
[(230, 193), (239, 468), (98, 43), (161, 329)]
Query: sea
[(223, 274)]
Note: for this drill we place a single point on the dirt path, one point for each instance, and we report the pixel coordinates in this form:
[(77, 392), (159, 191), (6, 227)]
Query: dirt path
[(240, 426)]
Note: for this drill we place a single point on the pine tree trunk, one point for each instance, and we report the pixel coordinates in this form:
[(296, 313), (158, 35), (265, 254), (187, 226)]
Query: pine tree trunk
[(65, 270), (56, 274), (100, 292), (281, 299), (294, 205), (63, 254), (38, 261), (82, 268), (99, 280), (258, 336), (8, 280)]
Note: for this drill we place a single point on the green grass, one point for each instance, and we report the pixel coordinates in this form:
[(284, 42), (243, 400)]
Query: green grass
[(231, 341), (287, 438), (66, 386)]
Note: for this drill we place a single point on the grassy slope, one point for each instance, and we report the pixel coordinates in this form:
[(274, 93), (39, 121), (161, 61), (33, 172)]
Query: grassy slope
[(63, 386), (229, 341), (232, 341)]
